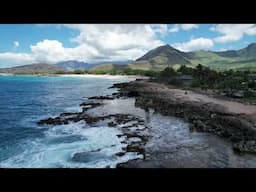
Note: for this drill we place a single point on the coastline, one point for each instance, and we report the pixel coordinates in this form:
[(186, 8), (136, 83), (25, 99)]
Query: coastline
[(233, 121), (104, 76), (79, 75), (229, 127)]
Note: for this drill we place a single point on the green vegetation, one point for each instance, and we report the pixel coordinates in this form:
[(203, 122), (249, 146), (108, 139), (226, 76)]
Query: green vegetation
[(166, 56), (236, 84)]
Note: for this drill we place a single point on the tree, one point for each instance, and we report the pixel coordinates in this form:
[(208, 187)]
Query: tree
[(168, 72), (185, 70)]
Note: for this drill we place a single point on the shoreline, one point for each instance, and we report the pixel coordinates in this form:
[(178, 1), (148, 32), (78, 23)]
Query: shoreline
[(78, 75), (230, 120), (203, 113)]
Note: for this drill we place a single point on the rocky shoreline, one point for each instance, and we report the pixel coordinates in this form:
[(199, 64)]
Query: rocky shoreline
[(233, 122), (237, 127), (133, 130)]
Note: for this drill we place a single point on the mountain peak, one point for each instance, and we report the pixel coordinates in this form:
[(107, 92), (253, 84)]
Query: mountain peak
[(251, 46), (165, 55), (166, 46)]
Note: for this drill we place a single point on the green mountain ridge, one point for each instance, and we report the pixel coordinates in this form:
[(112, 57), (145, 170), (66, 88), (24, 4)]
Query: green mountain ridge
[(38, 68), (164, 56), (159, 58)]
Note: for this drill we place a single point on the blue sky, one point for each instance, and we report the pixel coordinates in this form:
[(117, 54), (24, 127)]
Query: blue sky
[(33, 43)]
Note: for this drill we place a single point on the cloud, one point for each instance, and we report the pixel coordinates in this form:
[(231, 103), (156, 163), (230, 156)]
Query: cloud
[(174, 29), (184, 27), (195, 44), (52, 51), (111, 37), (16, 44), (95, 42), (9, 59), (187, 27), (161, 29), (233, 32), (111, 42)]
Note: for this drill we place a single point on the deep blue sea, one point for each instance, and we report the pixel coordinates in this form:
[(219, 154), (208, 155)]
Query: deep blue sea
[(24, 100)]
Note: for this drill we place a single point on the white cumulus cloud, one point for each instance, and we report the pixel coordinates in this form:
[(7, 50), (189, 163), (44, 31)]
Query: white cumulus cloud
[(233, 32), (174, 29), (195, 44), (95, 42), (16, 44), (108, 38), (187, 27), (9, 59)]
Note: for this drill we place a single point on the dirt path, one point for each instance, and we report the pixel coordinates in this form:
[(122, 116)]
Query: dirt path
[(191, 96)]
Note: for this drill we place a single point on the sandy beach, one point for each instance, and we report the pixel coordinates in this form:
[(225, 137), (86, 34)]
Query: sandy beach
[(104, 76)]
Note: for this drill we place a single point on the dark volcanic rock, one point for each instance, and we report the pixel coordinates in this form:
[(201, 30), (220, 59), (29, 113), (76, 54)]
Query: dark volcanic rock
[(87, 105), (102, 97), (119, 85), (120, 154), (208, 117), (133, 94)]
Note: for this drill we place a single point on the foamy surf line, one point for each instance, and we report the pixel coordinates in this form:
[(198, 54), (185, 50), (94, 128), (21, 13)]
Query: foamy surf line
[(133, 77), (74, 145)]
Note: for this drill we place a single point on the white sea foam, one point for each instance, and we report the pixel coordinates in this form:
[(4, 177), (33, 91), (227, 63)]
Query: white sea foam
[(130, 77), (55, 151), (74, 109)]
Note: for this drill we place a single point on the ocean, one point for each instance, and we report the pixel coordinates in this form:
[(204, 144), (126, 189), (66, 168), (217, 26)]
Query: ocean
[(24, 100)]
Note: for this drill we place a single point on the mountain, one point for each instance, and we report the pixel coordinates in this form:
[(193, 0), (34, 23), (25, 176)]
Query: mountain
[(156, 59), (40, 68), (230, 59), (114, 62), (106, 68), (249, 51), (80, 65), (162, 57), (229, 53), (74, 65)]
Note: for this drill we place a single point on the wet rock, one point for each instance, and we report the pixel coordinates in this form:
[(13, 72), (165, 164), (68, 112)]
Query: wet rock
[(133, 94), (51, 121), (91, 105), (102, 97), (112, 124), (235, 138), (119, 85), (204, 117), (67, 114), (120, 154)]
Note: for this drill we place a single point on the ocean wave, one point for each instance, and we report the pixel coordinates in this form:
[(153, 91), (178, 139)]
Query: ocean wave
[(62, 143)]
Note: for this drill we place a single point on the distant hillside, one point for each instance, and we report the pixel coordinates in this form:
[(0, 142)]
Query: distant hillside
[(164, 56), (156, 59), (114, 62), (41, 68), (161, 57), (107, 68), (79, 65), (249, 51), (74, 65), (230, 59), (230, 53)]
